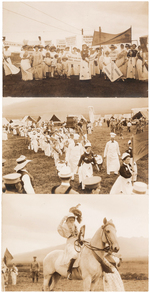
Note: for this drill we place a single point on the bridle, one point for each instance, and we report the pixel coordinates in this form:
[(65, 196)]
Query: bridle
[(78, 244)]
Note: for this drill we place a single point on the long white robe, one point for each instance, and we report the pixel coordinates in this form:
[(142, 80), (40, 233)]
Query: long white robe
[(112, 154), (73, 156), (9, 68), (25, 65)]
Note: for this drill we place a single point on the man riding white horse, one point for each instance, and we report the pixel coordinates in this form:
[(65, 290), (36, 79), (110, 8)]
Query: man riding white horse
[(69, 230)]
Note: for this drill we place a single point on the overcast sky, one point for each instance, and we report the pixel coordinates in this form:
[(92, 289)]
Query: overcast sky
[(68, 18), (30, 222)]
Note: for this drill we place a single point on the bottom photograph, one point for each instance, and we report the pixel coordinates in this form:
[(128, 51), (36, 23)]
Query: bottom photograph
[(74, 242)]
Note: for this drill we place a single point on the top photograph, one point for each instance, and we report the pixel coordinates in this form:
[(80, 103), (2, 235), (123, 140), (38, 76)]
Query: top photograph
[(75, 49)]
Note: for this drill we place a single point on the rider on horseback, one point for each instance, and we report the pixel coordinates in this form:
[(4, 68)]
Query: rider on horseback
[(69, 230)]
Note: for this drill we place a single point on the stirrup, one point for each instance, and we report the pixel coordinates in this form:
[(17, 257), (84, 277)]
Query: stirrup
[(69, 277)]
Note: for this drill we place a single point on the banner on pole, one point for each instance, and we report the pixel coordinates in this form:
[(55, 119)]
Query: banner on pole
[(100, 38), (140, 145), (7, 256)]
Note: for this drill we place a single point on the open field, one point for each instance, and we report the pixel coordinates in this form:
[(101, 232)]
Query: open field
[(43, 169), (14, 86), (133, 273)]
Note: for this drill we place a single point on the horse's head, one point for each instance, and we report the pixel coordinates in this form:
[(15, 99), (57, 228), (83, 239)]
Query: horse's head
[(109, 235)]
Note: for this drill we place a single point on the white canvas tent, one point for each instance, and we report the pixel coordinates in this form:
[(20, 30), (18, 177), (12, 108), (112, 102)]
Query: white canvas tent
[(143, 111)]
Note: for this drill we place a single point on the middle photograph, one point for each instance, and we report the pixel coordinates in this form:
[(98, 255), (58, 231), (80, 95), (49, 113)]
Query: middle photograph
[(71, 146)]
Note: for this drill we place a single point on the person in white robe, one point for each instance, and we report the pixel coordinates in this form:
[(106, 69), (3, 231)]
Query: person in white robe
[(121, 61), (14, 274), (9, 68), (131, 69), (112, 281), (37, 63), (74, 153), (112, 153)]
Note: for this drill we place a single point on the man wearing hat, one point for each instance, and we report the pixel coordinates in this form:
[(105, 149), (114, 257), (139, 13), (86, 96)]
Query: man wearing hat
[(64, 188), (26, 178), (74, 153), (112, 153), (123, 183), (92, 185), (35, 268), (69, 230)]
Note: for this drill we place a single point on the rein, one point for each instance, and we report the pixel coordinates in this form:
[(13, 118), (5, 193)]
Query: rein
[(80, 244)]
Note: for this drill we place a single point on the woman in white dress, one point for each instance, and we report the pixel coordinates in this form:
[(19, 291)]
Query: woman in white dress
[(9, 68), (85, 72), (121, 61), (53, 59), (142, 72), (37, 63), (123, 184), (25, 64), (47, 61)]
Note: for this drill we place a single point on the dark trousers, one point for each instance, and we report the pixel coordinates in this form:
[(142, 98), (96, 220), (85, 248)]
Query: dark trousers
[(35, 275)]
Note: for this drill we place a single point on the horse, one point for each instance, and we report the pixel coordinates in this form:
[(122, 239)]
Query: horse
[(89, 266)]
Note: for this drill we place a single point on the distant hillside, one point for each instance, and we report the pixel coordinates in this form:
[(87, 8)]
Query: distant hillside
[(72, 106), (130, 248)]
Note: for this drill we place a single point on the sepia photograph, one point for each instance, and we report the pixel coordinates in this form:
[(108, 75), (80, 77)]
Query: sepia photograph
[(75, 49), (60, 146), (75, 243)]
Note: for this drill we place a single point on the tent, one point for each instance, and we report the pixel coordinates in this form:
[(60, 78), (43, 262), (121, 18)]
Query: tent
[(55, 119), (137, 113), (4, 121)]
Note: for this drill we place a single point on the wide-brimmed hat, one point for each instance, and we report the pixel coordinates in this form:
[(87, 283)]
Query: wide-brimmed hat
[(52, 47), (22, 162), (3, 162), (71, 215), (6, 46), (25, 47), (129, 141), (125, 155), (12, 178), (64, 57), (139, 188), (92, 182), (112, 47), (36, 46), (112, 134), (65, 172), (84, 44), (88, 144)]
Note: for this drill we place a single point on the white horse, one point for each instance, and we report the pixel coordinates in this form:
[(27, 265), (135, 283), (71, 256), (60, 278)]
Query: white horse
[(90, 268)]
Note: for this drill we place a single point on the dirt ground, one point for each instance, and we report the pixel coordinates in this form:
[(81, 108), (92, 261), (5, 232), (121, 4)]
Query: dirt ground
[(13, 86), (24, 282), (44, 171)]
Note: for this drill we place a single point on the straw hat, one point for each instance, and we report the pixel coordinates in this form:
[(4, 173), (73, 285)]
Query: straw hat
[(92, 182), (6, 46), (12, 178), (112, 134), (125, 155), (140, 188), (65, 172), (64, 58), (88, 144), (113, 47), (22, 162)]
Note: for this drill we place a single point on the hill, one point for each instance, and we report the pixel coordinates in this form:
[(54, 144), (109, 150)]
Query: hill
[(130, 248), (66, 106)]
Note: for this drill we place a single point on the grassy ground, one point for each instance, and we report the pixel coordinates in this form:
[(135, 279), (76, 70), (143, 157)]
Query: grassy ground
[(134, 269), (14, 86), (43, 169)]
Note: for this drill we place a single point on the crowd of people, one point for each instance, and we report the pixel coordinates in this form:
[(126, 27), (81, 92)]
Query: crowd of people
[(72, 154), (41, 62), (6, 271)]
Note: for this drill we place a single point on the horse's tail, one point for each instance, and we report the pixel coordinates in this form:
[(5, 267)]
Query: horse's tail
[(53, 280)]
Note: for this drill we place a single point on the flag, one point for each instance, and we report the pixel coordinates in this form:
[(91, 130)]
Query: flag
[(140, 145), (91, 114), (7, 256), (112, 71), (100, 38), (143, 43)]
